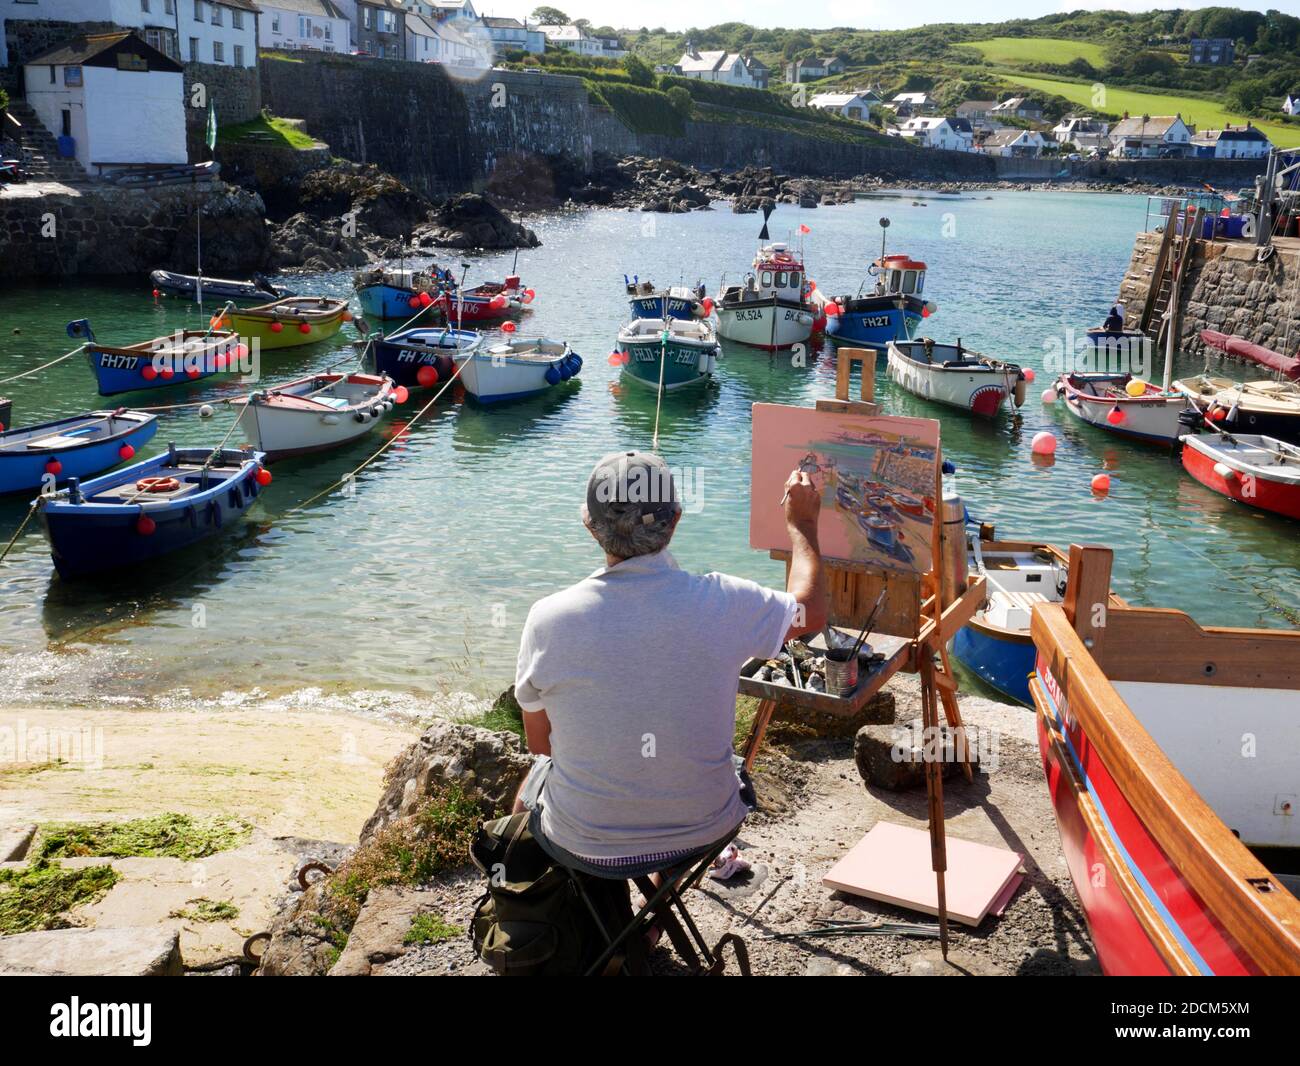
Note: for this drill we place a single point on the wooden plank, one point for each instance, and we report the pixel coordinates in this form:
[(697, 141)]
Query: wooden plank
[(852, 589), (1087, 592), (1204, 851), (844, 360)]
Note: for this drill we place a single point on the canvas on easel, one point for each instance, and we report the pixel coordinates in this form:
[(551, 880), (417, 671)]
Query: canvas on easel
[(876, 475)]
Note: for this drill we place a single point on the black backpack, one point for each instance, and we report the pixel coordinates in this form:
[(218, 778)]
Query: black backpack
[(532, 921)]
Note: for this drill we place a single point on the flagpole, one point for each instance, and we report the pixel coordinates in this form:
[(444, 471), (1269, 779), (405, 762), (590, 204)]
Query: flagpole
[(210, 138)]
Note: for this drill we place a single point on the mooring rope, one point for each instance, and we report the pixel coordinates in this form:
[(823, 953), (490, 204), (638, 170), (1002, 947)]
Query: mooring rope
[(659, 397), (19, 531), (37, 369)]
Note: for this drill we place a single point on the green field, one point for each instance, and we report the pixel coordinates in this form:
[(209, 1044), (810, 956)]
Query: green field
[(1013, 51), (1204, 114)]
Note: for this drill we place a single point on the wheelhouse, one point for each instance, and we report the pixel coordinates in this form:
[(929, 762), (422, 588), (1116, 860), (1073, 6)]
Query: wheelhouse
[(899, 275)]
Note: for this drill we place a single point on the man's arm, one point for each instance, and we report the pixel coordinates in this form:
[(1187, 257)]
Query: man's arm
[(807, 582), (537, 731)]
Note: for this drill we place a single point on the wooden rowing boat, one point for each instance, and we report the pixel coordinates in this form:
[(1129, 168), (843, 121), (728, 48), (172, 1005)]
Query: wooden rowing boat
[(954, 375), (314, 414), (286, 323), (1103, 400), (184, 356), (71, 447), (1169, 751), (1255, 470)]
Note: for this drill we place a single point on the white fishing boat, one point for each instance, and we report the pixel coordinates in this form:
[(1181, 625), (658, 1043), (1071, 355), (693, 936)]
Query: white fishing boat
[(669, 353), (770, 309), (314, 414), (954, 375), (516, 369), (1125, 405)]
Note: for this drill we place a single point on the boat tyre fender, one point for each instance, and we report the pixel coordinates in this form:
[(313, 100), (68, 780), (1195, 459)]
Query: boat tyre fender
[(157, 484)]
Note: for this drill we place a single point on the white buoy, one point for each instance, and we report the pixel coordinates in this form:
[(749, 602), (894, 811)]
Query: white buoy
[(206, 411), (1225, 471)]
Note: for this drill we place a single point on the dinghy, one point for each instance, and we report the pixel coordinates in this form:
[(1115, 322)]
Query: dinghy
[(672, 352), (677, 301), (1124, 405), (398, 292), (954, 375), (488, 302), (1256, 470), (286, 323), (184, 356), (769, 309), (314, 414), (129, 517), (516, 369), (1268, 407), (257, 288), (1169, 752), (890, 308), (422, 356), (6, 412), (71, 447)]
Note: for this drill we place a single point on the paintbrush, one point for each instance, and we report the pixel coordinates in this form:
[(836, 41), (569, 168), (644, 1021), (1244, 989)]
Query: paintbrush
[(867, 628)]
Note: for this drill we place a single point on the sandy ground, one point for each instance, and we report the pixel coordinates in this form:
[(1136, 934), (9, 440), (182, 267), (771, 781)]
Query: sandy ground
[(298, 777)]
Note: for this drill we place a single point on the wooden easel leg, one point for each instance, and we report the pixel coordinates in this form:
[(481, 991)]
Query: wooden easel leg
[(952, 712), (934, 796), (755, 739)]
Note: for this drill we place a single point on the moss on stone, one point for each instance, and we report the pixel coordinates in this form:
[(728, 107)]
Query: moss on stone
[(430, 928), (38, 895), (176, 836), (207, 910)]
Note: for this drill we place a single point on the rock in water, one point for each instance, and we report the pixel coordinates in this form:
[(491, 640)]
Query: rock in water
[(473, 221)]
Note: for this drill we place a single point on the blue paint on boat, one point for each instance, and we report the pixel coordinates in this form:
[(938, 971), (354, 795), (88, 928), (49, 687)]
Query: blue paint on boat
[(401, 355), (387, 301), (663, 305), (95, 528), (82, 445), (1001, 662), (183, 357), (874, 321)]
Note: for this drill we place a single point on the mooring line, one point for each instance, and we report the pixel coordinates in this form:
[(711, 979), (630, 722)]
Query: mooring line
[(43, 366)]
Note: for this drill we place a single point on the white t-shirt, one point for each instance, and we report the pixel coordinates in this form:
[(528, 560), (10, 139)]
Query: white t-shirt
[(637, 669)]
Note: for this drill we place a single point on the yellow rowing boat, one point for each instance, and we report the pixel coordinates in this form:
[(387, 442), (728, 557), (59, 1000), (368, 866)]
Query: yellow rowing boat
[(287, 323)]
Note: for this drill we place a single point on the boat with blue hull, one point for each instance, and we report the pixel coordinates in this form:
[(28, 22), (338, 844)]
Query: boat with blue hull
[(386, 293), (184, 356), (671, 353), (135, 515), (422, 356), (892, 310), (79, 446), (678, 301)]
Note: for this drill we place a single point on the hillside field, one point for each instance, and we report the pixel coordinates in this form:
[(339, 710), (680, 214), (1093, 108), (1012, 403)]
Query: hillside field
[(1015, 51), (1205, 114)]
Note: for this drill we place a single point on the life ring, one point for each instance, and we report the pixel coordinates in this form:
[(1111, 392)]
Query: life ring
[(157, 484)]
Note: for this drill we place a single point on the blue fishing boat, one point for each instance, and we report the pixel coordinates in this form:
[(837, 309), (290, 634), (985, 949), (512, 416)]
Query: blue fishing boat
[(891, 311), (670, 353), (423, 356), (184, 356), (149, 509), (78, 446), (394, 292), (679, 301)]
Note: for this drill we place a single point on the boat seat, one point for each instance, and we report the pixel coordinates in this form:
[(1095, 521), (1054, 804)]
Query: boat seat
[(1025, 600), (56, 440), (332, 401), (122, 493)]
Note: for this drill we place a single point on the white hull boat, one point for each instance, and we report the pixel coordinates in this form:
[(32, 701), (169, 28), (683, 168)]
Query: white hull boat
[(953, 375), (315, 413), (770, 309), (516, 369), (1104, 401)]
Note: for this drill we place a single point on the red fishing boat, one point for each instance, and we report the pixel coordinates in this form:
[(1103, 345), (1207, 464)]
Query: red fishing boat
[(488, 302), (1255, 470), (1169, 751)]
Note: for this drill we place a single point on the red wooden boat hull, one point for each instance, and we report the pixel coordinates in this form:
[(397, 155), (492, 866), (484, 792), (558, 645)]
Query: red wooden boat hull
[(1267, 495), (1119, 871)]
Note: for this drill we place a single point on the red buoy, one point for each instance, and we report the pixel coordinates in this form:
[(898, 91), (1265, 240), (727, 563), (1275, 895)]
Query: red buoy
[(303, 327), (426, 376), (401, 394), (167, 372), (508, 327), (276, 327), (414, 301), (1115, 416), (149, 372), (425, 299), (126, 451), (831, 310), (144, 525), (263, 476), (193, 371), (54, 467), (155, 294)]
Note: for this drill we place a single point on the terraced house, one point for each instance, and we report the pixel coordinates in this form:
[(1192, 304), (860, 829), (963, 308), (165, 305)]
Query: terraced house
[(315, 25)]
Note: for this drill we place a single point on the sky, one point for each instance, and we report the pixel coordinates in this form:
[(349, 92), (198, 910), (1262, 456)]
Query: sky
[(823, 14)]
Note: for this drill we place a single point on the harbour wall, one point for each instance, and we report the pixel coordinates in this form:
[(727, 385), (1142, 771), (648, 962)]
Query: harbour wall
[(1227, 289)]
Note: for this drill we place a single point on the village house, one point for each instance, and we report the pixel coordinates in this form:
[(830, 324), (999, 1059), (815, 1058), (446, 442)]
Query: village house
[(907, 104), (1231, 142), (936, 131), (1013, 143), (156, 20), (812, 68), (975, 109), (854, 105), (1291, 105), (224, 34), (450, 42), (1212, 51), (610, 47), (318, 25), (379, 28), (1154, 135), (511, 35), (1082, 131), (573, 38), (1019, 107), (94, 92), (732, 68)]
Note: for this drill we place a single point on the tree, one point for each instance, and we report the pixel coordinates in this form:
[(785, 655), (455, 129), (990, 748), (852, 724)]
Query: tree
[(1246, 95), (550, 16), (681, 101), (638, 71)]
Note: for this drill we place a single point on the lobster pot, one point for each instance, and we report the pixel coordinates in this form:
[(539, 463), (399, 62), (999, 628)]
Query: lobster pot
[(953, 546)]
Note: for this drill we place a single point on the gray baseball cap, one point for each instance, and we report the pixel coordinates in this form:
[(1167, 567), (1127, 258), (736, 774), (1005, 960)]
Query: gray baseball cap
[(637, 482)]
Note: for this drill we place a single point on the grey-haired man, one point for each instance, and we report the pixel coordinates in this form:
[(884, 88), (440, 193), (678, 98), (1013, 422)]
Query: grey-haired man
[(628, 678)]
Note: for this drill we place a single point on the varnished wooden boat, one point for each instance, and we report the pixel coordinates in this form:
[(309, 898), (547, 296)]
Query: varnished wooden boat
[(286, 323), (1170, 753)]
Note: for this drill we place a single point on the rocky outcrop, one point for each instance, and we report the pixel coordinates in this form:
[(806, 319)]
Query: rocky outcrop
[(473, 221), (381, 929), (128, 952), (311, 244)]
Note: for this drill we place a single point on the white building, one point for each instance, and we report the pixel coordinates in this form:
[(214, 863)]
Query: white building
[(1231, 142), (1151, 136), (855, 105), (511, 35), (905, 104), (155, 19), (450, 42), (98, 89), (731, 68), (574, 38), (1291, 105), (935, 131), (1014, 142), (223, 33), (1020, 107), (1082, 131), (318, 25)]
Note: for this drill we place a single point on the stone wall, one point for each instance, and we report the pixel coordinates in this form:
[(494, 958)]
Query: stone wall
[(236, 92), (105, 230), (1227, 289)]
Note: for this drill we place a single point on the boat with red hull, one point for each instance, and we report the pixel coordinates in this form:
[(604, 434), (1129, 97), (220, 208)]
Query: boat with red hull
[(1176, 845), (1255, 470)]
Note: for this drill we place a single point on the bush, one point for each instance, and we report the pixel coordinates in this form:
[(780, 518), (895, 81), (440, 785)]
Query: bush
[(639, 72), (641, 110), (681, 101)]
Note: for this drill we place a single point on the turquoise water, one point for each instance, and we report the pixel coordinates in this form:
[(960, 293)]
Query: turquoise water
[(417, 583)]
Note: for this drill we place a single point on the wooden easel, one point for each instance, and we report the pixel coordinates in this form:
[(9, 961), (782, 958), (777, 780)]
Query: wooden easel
[(913, 608)]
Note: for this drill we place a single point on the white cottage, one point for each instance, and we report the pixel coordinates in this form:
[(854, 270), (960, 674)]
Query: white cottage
[(730, 68), (222, 32), (95, 90), (856, 105), (1291, 105), (1151, 136), (936, 131), (316, 25)]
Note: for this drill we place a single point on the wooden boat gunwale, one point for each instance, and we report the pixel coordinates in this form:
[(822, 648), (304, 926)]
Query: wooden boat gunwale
[(137, 419), (217, 336), (1147, 644), (271, 312)]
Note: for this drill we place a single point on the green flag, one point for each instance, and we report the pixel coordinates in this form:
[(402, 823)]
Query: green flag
[(211, 137)]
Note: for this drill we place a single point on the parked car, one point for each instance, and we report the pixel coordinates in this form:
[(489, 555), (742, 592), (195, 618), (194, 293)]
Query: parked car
[(1074, 157)]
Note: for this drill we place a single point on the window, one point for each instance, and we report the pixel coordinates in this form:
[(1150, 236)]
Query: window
[(304, 26), (368, 17), (766, 279), (216, 15), (169, 7), (198, 10), (275, 22), (239, 55), (780, 279), (194, 49), (329, 31), (794, 279), (218, 52), (909, 281), (237, 19), (144, 5), (53, 74), (389, 21)]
